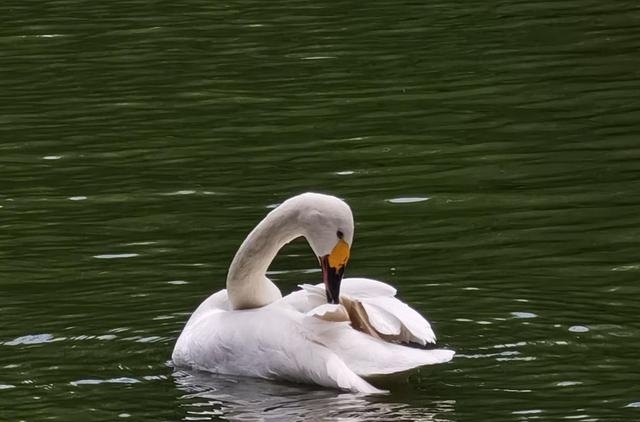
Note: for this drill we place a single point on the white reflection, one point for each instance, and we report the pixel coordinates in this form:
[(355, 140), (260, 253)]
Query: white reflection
[(116, 255), (524, 315), (407, 200), (31, 339), (215, 397), (578, 329)]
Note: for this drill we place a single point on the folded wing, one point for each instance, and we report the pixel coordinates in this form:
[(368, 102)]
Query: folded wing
[(372, 308), (366, 355)]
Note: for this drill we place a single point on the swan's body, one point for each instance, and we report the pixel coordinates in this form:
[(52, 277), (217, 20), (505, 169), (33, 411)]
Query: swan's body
[(249, 329)]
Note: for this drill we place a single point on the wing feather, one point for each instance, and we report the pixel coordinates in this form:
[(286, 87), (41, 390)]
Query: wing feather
[(270, 342), (383, 311), (374, 306), (366, 355)]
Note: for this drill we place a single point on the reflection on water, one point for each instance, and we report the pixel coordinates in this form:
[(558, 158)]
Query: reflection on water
[(212, 397)]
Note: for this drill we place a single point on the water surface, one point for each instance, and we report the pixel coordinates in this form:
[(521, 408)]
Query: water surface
[(489, 152)]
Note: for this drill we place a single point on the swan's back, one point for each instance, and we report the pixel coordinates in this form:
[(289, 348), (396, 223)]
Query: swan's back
[(290, 339), (272, 342)]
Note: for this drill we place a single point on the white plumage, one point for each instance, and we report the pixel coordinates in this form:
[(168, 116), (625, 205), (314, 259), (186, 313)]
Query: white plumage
[(300, 337)]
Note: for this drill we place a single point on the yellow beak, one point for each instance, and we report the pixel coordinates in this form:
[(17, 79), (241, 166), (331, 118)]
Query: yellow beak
[(339, 255), (333, 269)]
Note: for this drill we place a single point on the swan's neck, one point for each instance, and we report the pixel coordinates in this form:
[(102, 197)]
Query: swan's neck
[(247, 284)]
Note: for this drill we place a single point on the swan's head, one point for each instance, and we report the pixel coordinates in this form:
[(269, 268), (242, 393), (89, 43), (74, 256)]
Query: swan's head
[(328, 226)]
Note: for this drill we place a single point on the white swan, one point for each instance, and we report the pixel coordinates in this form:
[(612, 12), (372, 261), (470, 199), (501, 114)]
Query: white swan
[(331, 334)]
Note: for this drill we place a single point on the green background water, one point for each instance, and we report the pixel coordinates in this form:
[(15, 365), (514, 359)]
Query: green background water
[(490, 152)]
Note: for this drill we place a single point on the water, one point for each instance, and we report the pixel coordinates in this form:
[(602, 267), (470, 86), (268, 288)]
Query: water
[(489, 151)]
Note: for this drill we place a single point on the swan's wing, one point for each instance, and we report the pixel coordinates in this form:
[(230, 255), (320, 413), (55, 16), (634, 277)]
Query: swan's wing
[(307, 298), (311, 296), (217, 302), (397, 321), (360, 287), (270, 342), (381, 311), (372, 307), (366, 355)]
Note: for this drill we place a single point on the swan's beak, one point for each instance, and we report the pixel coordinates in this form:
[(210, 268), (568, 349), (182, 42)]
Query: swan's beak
[(333, 269)]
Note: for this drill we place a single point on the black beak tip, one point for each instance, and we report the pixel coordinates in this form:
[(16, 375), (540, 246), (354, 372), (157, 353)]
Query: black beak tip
[(332, 278), (333, 287), (331, 300)]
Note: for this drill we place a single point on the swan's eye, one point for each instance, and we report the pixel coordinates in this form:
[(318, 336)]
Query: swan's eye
[(340, 234)]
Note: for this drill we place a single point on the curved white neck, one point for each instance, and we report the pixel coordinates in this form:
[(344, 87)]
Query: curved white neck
[(247, 284)]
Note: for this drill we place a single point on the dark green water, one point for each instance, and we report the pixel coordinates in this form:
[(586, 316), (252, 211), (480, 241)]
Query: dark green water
[(490, 152)]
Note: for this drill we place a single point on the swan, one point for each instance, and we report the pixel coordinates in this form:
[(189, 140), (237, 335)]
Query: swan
[(333, 334)]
